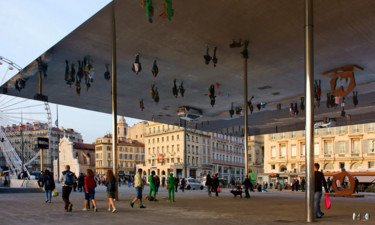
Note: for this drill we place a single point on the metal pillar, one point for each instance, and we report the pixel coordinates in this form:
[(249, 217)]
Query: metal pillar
[(40, 75), (114, 100), (41, 159), (246, 113), (58, 145), (185, 157), (309, 120), (22, 144)]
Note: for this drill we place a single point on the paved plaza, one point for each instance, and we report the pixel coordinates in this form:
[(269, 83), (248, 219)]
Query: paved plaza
[(191, 207)]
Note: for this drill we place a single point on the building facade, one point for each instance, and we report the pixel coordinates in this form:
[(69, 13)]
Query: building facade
[(79, 156), (129, 154), (228, 157), (350, 147), (191, 153), (25, 136), (256, 155)]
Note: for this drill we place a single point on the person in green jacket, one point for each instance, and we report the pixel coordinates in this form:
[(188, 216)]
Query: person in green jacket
[(151, 180), (170, 187)]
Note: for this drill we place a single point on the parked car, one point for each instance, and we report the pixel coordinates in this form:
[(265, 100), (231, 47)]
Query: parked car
[(193, 184)]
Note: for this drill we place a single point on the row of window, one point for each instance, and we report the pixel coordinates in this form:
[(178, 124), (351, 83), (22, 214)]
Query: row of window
[(121, 156), (162, 139), (326, 167), (99, 163), (163, 149), (230, 158), (341, 148)]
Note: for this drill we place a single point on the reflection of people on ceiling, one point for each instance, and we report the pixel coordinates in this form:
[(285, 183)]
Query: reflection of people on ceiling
[(152, 91), (214, 59), (137, 67), (107, 75), (174, 89), (355, 98), (182, 89), (156, 99), (207, 57), (155, 69), (141, 106), (231, 111), (318, 92), (149, 10), (212, 95)]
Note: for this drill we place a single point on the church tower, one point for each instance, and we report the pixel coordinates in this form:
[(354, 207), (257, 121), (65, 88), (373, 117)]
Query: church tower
[(122, 129)]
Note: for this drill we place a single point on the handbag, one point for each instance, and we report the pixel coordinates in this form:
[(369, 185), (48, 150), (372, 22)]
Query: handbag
[(55, 193), (328, 202)]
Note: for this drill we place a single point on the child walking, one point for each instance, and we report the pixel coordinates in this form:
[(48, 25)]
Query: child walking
[(90, 185)]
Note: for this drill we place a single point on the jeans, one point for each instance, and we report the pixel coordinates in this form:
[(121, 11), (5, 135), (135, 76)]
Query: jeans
[(317, 198), (65, 195), (48, 195), (232, 187), (209, 189)]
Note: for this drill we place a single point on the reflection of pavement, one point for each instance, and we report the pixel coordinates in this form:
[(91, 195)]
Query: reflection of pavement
[(191, 207)]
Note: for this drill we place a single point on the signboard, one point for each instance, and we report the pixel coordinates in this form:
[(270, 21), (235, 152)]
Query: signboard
[(42, 143), (161, 158)]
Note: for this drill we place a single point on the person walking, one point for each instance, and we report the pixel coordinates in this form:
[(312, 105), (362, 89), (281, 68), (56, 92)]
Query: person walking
[(81, 182), (232, 183), (209, 184), (138, 184), (48, 184), (90, 186), (110, 183), (356, 185), (247, 183), (67, 179), (176, 183), (319, 182), (170, 187), (157, 185), (183, 182), (151, 180), (303, 183), (215, 185), (329, 183)]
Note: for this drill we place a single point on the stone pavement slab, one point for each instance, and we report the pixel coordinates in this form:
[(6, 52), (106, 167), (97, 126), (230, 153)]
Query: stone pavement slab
[(191, 207)]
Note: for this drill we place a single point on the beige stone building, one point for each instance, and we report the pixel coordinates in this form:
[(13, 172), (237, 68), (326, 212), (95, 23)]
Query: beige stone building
[(133, 133), (79, 156), (206, 152), (256, 154), (350, 147), (28, 136), (129, 154)]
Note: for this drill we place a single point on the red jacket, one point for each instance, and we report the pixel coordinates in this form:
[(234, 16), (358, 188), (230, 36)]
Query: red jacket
[(89, 183)]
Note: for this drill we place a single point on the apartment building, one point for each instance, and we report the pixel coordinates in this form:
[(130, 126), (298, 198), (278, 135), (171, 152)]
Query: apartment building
[(24, 137), (129, 154), (350, 147)]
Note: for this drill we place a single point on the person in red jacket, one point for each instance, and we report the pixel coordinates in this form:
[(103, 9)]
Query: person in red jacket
[(90, 185)]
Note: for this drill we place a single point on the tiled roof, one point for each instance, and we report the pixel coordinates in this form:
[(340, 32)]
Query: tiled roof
[(84, 146)]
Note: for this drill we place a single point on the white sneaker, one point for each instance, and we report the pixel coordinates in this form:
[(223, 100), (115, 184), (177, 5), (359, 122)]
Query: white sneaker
[(114, 210), (95, 209), (109, 209), (84, 209)]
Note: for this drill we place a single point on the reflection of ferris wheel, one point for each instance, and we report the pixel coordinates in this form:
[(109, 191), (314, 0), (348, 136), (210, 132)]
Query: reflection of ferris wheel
[(20, 119)]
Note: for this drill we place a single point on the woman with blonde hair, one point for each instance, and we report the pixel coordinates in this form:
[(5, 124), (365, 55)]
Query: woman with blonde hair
[(110, 182), (90, 185)]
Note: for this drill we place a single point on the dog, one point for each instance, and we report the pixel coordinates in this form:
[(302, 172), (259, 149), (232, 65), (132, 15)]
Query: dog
[(236, 192)]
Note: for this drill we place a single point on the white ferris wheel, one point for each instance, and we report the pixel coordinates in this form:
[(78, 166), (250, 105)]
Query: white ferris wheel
[(18, 117)]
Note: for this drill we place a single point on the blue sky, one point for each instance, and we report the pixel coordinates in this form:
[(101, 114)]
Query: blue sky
[(29, 28)]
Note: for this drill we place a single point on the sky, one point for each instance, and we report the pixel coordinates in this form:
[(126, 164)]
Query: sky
[(28, 29)]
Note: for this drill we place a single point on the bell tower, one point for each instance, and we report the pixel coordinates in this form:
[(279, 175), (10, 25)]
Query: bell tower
[(122, 129)]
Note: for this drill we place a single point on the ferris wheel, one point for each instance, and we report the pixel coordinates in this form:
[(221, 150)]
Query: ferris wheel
[(20, 121)]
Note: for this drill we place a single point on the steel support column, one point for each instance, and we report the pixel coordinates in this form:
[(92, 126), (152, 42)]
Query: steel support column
[(114, 100), (245, 116), (309, 120)]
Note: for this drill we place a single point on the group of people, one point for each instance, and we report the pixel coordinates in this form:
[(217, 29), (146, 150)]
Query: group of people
[(68, 179)]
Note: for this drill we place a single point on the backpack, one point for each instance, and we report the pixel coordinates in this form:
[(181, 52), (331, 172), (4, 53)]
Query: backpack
[(48, 181), (69, 178)]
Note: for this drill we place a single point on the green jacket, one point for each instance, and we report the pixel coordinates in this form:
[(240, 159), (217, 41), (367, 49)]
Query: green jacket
[(171, 182), (151, 180)]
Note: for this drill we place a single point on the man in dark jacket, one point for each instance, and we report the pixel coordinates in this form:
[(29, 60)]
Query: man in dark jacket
[(209, 184), (247, 183), (215, 185), (319, 182)]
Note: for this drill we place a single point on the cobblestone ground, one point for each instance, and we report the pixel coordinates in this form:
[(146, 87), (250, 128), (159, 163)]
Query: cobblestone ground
[(191, 207)]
